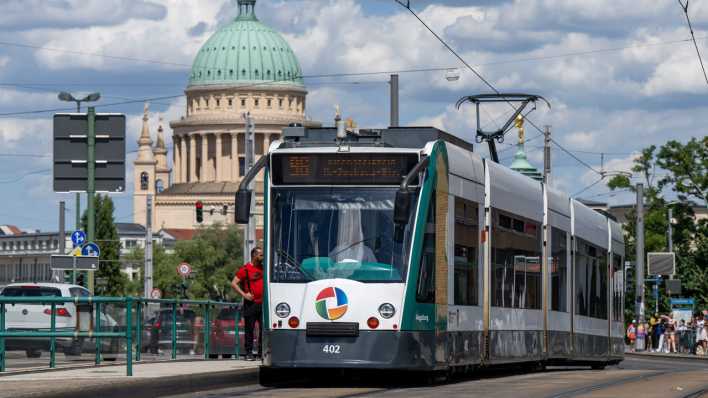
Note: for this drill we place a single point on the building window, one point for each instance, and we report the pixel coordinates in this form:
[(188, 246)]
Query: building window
[(144, 180), (255, 102), (231, 102), (268, 102), (131, 243), (159, 186), (516, 261), (259, 144), (218, 102), (559, 270), (466, 243), (241, 166), (280, 103), (243, 102), (55, 243)]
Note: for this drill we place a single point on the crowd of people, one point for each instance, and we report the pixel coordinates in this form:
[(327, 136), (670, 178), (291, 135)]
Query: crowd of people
[(663, 333)]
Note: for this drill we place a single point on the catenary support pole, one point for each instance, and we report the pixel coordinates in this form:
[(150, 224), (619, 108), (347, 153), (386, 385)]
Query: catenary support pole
[(91, 191), (249, 235), (639, 305), (394, 100), (148, 249), (546, 154)]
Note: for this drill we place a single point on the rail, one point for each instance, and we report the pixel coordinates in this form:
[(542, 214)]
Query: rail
[(133, 326)]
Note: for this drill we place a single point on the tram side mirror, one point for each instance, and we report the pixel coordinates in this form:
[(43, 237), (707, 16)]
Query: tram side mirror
[(243, 206), (402, 207)]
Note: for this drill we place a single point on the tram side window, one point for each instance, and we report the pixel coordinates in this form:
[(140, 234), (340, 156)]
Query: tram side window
[(425, 291), (516, 261), (617, 287), (466, 244), (590, 280), (559, 270)]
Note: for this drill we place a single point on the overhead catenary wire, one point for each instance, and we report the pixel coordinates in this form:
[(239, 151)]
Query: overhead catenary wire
[(485, 81), (684, 7), (589, 186)]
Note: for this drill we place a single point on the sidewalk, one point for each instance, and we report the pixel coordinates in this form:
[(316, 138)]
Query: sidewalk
[(149, 379), (666, 355)]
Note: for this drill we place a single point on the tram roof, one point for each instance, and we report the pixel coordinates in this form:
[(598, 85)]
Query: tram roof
[(392, 137)]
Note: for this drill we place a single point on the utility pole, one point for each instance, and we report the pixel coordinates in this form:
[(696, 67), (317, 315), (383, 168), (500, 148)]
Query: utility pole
[(78, 195), (394, 100), (670, 237), (249, 234), (639, 304), (546, 154), (147, 271), (91, 191)]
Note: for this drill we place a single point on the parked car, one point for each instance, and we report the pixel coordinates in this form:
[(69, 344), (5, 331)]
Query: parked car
[(33, 317), (221, 338), (157, 331)]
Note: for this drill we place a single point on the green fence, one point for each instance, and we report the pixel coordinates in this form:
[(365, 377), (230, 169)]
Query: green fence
[(132, 333)]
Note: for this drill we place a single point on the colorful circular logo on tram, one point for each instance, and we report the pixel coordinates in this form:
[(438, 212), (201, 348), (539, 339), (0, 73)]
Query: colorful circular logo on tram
[(331, 303)]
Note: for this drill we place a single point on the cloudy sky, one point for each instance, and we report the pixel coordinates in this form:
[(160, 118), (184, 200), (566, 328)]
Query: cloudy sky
[(619, 74)]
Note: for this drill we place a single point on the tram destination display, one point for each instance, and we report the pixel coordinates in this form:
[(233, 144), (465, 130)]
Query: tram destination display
[(342, 168)]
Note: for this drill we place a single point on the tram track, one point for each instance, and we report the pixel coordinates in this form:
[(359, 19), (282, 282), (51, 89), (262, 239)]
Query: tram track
[(595, 387)]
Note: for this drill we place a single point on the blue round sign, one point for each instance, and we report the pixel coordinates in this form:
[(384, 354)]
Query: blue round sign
[(91, 249), (78, 238)]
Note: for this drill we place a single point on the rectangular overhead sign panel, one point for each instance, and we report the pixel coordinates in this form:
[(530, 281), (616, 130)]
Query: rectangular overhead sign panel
[(71, 152), (66, 263)]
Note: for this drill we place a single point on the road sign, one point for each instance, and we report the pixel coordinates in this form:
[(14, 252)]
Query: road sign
[(184, 269), (156, 294), (661, 263), (76, 251), (69, 263), (91, 249), (71, 152), (78, 238)]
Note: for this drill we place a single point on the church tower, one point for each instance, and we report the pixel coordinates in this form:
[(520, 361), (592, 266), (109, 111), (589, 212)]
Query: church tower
[(162, 170), (144, 172)]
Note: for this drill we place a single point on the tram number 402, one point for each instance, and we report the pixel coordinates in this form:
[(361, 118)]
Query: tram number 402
[(331, 349)]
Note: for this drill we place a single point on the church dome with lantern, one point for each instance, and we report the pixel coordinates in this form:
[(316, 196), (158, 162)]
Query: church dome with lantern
[(246, 51), (244, 68)]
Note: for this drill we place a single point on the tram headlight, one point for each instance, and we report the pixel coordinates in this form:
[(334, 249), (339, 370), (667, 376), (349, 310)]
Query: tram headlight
[(282, 310), (387, 310)]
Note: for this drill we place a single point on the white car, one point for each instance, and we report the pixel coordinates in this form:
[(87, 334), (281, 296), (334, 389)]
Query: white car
[(32, 317)]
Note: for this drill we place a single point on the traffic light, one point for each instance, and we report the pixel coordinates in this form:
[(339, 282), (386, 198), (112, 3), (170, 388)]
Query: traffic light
[(200, 211), (80, 279)]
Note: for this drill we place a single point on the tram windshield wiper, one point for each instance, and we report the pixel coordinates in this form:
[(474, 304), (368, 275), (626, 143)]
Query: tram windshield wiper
[(291, 260)]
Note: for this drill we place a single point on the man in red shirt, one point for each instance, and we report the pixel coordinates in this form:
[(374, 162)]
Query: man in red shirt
[(248, 282)]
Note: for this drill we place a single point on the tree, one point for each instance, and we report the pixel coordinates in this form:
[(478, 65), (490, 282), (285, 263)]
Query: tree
[(685, 166), (107, 239)]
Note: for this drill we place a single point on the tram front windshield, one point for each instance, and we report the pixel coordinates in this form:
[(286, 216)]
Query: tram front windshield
[(325, 233)]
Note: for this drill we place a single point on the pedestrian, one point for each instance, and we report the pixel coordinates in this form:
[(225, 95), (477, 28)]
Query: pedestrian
[(671, 334), (248, 282), (659, 336), (631, 335), (641, 336)]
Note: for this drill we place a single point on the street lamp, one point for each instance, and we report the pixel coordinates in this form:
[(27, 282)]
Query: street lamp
[(64, 96)]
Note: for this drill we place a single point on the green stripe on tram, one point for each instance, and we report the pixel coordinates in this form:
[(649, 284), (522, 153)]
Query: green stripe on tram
[(421, 316)]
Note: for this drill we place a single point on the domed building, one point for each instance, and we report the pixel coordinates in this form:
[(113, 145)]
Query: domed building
[(244, 67)]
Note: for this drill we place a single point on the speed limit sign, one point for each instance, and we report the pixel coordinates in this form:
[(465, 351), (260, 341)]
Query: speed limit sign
[(183, 269)]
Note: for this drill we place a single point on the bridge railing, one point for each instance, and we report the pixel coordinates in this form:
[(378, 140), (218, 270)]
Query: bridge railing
[(131, 333)]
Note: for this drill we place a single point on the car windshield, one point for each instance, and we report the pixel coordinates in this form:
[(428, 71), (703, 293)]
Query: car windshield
[(326, 233), (30, 291)]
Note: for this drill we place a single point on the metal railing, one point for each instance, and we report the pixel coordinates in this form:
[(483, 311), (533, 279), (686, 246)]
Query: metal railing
[(133, 327)]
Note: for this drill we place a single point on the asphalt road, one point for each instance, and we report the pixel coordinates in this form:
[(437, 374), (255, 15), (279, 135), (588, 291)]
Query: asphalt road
[(640, 377)]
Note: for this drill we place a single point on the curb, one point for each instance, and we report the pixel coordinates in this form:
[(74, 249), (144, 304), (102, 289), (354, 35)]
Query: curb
[(667, 356), (158, 386)]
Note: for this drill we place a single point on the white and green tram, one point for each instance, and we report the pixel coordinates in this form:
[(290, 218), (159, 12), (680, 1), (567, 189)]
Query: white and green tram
[(401, 248)]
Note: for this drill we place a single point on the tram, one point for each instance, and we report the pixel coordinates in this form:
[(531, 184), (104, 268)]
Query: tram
[(401, 248)]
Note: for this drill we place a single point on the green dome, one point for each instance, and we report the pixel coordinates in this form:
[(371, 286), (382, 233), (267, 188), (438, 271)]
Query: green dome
[(246, 51)]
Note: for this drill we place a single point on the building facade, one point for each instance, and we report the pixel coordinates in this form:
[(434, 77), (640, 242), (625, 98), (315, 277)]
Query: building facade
[(244, 68)]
